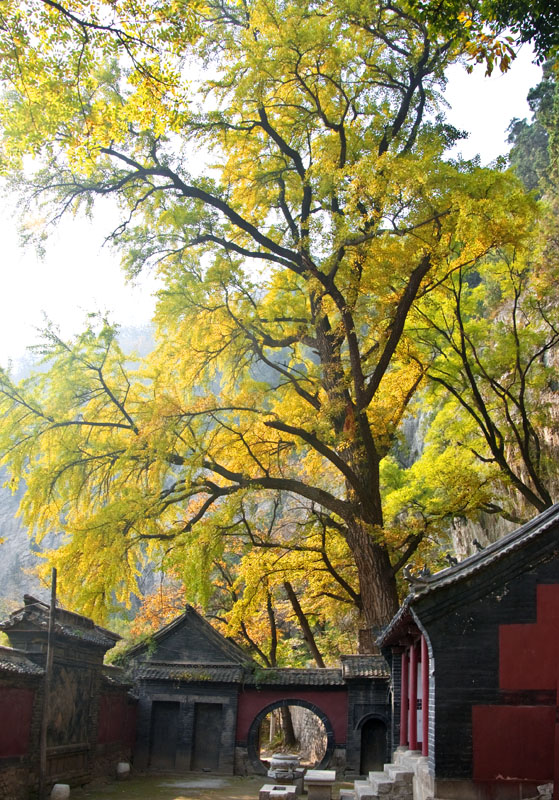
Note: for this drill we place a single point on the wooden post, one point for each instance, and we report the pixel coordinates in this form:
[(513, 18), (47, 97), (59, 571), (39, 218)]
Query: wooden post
[(425, 696), (46, 691), (413, 698), (404, 701)]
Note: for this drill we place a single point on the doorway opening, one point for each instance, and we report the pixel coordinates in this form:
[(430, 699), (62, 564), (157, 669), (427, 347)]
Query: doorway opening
[(293, 730), (291, 727), (373, 745), (164, 734), (206, 740)]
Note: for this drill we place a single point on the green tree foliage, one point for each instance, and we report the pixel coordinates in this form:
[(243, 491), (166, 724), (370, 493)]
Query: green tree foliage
[(535, 21), (491, 347), (531, 141), (493, 336), (492, 30), (292, 264)]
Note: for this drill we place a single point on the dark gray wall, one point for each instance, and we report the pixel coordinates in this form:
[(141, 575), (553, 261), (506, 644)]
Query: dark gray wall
[(462, 623), (187, 695)]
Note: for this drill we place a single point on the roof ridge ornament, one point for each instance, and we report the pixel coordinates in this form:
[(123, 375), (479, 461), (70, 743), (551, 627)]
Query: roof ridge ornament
[(422, 578)]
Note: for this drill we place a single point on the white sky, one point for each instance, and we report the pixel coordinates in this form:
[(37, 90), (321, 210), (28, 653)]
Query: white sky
[(79, 275)]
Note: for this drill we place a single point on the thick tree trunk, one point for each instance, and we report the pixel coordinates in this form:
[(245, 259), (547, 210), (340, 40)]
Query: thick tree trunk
[(379, 596), (289, 738), (304, 623)]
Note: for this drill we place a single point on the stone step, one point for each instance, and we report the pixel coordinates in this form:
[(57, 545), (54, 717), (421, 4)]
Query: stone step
[(347, 794), (380, 775), (406, 759), (364, 791), (398, 773), (400, 791), (381, 783)]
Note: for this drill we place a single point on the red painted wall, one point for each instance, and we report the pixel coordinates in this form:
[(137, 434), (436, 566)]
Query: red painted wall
[(117, 720), (332, 704), (16, 711), (513, 743), (529, 654), (516, 742)]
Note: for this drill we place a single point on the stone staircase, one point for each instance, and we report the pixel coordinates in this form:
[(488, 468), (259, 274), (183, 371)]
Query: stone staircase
[(395, 781)]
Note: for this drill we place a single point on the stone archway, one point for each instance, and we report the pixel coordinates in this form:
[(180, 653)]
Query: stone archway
[(252, 739)]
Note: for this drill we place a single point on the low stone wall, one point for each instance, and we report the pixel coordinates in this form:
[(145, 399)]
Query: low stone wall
[(21, 702)]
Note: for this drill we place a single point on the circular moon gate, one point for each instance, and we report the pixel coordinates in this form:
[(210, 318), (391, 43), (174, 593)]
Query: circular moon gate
[(252, 738)]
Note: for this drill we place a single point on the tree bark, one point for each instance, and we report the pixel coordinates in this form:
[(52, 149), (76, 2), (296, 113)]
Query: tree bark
[(289, 738), (304, 623), (379, 596)]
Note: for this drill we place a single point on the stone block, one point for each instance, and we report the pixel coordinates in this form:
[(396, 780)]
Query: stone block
[(122, 770), (364, 791), (272, 791), (296, 781), (319, 783), (60, 791), (398, 774), (320, 776), (381, 784), (319, 791), (402, 791)]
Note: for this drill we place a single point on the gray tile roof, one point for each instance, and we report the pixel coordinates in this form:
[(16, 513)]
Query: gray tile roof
[(469, 566), (287, 676), (35, 616), (231, 651), (115, 676), (178, 671), (15, 662), (235, 673), (364, 667), (490, 554)]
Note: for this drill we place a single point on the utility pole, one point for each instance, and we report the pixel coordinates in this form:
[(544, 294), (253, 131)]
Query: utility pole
[(47, 690)]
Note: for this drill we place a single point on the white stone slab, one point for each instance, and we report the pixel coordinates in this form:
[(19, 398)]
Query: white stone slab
[(320, 776)]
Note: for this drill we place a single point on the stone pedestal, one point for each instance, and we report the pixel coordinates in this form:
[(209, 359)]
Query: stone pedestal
[(273, 791), (319, 783), (285, 771)]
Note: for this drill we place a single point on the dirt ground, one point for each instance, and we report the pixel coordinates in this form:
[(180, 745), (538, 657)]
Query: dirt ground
[(173, 787), (176, 787)]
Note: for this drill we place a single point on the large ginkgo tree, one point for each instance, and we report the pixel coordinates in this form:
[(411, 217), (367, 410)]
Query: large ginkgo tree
[(281, 164)]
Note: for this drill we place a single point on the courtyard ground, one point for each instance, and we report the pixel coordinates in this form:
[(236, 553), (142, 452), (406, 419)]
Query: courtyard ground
[(173, 787), (178, 787)]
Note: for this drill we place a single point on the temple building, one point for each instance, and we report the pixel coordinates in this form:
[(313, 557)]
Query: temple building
[(474, 651)]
